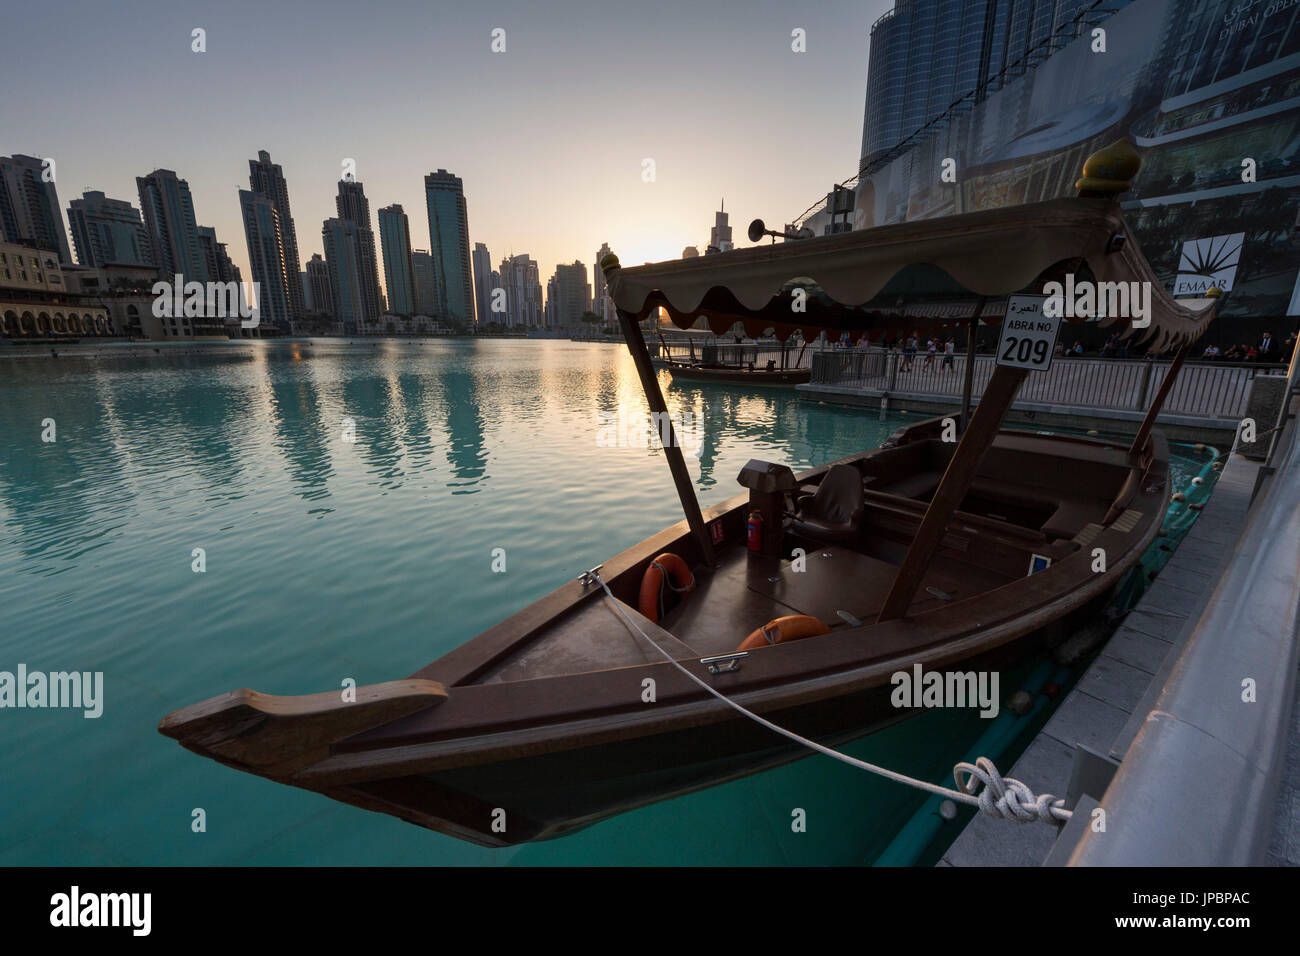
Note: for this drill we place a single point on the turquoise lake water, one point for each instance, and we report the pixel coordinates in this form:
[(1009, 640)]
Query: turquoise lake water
[(329, 558)]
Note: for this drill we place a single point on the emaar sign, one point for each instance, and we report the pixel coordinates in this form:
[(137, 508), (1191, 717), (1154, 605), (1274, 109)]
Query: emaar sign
[(1209, 264)]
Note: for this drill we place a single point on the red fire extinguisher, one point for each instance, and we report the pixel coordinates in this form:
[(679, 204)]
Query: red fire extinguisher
[(755, 531)]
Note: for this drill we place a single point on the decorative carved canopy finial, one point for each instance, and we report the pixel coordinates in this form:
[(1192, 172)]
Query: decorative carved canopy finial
[(1109, 171)]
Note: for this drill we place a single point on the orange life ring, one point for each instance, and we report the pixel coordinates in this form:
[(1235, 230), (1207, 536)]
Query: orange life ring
[(656, 575), (792, 627)]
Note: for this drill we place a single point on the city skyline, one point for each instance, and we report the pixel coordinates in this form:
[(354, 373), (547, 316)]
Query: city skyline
[(552, 176)]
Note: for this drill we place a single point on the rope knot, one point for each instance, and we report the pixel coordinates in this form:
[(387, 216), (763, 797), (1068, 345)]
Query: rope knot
[(1006, 797)]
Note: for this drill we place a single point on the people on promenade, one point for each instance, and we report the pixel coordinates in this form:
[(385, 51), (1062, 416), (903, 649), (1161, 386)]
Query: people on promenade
[(949, 349), (931, 350), (909, 352), (1266, 347)]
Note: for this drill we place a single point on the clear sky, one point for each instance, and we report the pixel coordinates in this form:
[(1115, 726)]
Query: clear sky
[(549, 136)]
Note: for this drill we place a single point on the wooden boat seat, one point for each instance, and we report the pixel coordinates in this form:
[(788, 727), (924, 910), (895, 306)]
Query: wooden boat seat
[(911, 471), (920, 486), (1072, 516), (593, 638), (1012, 483), (1056, 515), (1014, 460)]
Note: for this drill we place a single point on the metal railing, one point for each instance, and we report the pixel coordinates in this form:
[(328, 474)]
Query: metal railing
[(1203, 389)]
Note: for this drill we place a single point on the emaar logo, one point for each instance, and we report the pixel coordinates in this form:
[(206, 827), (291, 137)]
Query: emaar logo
[(1209, 264)]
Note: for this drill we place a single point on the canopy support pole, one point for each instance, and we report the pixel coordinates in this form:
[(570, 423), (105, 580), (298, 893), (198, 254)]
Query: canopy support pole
[(969, 371), (1158, 403), (668, 436), (975, 441)]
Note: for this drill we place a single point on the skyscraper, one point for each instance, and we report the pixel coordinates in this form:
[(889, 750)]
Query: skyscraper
[(354, 207), (318, 279), (523, 285), (266, 258), (107, 231), (220, 268), (399, 271), (169, 221), (29, 206), (569, 296), (426, 283), (345, 261), (267, 179), (601, 303), (720, 234), (482, 282), (926, 54), (449, 234)]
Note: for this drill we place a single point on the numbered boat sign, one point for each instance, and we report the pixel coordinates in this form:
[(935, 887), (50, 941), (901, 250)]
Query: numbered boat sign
[(1028, 336)]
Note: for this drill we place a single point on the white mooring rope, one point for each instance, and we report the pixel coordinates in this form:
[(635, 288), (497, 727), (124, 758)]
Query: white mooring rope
[(1002, 797)]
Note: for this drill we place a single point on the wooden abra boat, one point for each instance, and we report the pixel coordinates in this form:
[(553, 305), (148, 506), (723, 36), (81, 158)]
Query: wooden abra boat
[(738, 375), (725, 364), (957, 555)]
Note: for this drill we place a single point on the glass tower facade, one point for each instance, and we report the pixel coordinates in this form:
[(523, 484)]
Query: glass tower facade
[(928, 54), (169, 220), (353, 206), (29, 205), (449, 234), (107, 231), (262, 230), (345, 262), (395, 238), (267, 179)]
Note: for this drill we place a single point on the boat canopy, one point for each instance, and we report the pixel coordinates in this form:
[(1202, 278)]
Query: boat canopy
[(927, 274)]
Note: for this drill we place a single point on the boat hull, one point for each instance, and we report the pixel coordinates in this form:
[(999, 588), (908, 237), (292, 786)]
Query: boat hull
[(739, 376), (549, 795)]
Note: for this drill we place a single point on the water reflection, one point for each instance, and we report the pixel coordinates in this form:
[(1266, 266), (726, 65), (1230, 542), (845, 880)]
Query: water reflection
[(771, 422), (466, 448), (301, 437)]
